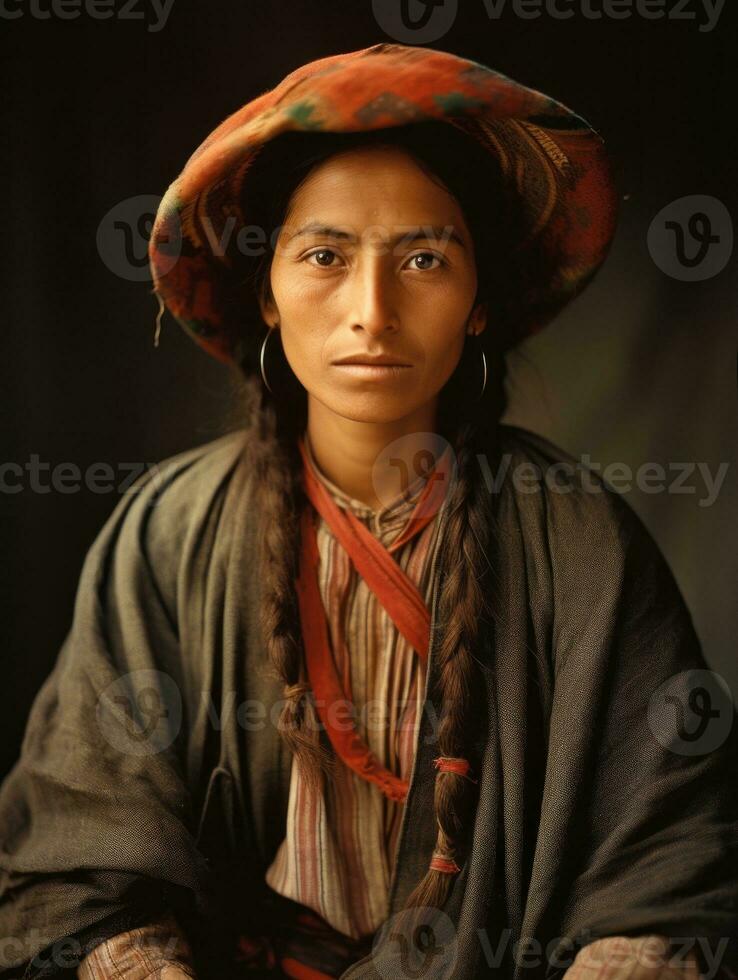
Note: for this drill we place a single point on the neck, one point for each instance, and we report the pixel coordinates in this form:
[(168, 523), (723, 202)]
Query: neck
[(373, 461)]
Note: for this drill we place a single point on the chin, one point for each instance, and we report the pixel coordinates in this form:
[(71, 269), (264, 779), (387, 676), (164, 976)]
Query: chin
[(376, 408)]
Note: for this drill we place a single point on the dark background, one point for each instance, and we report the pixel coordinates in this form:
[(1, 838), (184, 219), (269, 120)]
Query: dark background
[(640, 368)]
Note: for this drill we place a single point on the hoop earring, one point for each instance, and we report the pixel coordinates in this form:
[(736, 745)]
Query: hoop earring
[(270, 331), (484, 364)]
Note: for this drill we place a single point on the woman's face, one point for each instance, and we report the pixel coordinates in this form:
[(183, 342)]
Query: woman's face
[(374, 258)]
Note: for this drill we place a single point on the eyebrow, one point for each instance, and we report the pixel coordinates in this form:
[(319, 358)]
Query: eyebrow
[(413, 234)]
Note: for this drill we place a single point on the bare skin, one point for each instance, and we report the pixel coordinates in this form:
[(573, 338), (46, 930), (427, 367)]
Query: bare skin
[(333, 297)]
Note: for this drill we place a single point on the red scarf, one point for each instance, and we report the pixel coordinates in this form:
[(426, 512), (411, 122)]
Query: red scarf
[(395, 591)]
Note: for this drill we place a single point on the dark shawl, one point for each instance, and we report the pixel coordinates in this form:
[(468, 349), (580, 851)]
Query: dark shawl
[(587, 824)]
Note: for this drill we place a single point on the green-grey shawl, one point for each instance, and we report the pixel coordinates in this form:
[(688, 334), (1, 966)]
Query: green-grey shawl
[(152, 772)]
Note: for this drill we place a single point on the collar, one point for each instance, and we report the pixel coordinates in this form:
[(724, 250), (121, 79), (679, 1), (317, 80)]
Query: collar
[(387, 521)]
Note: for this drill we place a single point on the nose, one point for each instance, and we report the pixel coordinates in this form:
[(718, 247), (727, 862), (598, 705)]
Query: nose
[(373, 297)]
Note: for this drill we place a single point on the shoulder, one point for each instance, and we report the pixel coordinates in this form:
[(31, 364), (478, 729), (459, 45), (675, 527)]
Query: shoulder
[(168, 496), (162, 518), (570, 497), (181, 490), (581, 549)]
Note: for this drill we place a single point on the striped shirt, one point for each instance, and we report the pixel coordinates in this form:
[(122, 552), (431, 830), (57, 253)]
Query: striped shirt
[(338, 854)]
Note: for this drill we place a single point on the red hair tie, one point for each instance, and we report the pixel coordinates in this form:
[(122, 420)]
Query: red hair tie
[(441, 863), (449, 763)]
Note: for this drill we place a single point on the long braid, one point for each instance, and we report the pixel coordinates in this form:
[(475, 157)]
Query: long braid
[(277, 471), (461, 610)]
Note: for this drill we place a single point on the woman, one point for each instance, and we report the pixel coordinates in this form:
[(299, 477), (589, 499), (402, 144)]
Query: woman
[(366, 687)]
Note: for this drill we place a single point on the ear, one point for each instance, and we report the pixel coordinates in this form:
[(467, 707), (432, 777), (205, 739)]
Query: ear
[(478, 319), (268, 307), (268, 312)]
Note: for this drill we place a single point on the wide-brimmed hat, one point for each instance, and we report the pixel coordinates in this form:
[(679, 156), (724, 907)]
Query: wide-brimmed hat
[(555, 161)]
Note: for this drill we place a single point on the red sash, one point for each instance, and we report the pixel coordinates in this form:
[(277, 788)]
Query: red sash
[(397, 594)]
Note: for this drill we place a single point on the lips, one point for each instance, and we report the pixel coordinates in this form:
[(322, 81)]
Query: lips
[(379, 360)]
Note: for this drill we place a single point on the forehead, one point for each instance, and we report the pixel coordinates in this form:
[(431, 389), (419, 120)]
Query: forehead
[(376, 173), (361, 183)]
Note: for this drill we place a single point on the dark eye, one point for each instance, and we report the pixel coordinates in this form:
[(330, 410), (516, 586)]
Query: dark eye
[(320, 254), (425, 257)]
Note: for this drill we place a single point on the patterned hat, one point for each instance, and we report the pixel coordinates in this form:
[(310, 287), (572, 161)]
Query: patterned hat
[(554, 159)]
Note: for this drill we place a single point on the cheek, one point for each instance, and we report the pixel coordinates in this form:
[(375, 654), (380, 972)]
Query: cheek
[(446, 357), (303, 348), (443, 338)]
